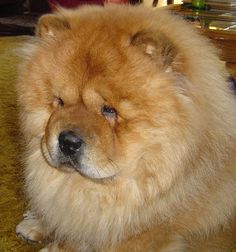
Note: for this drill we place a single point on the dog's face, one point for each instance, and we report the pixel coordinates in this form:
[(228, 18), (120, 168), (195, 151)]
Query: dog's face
[(104, 101)]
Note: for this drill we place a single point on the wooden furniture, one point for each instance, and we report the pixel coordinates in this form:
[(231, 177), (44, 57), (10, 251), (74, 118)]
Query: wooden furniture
[(216, 25)]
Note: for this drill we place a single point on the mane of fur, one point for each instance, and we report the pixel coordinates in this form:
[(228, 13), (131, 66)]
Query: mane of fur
[(98, 214)]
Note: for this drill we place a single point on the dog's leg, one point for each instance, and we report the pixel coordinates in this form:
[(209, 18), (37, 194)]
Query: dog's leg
[(30, 229)]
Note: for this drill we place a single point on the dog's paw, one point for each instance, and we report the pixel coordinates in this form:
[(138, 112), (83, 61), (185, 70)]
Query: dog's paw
[(30, 229)]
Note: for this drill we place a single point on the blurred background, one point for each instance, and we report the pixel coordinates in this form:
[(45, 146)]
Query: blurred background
[(19, 16)]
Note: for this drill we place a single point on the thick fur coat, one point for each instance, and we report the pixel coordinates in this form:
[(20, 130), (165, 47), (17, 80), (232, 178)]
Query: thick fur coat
[(149, 98)]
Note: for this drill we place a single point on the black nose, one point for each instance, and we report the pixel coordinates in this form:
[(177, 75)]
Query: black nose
[(69, 143)]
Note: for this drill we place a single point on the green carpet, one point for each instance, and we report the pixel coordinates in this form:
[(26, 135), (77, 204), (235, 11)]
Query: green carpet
[(12, 202)]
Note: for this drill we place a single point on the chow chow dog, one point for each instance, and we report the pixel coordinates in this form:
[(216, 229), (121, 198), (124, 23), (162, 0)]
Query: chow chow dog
[(130, 132)]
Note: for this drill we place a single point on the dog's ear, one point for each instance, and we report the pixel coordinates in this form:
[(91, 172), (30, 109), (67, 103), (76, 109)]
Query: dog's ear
[(159, 48), (51, 26)]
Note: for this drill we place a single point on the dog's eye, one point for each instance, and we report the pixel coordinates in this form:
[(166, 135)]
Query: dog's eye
[(58, 102), (108, 111)]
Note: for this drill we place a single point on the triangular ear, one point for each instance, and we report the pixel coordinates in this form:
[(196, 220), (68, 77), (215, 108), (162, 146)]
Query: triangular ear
[(159, 48), (51, 26)]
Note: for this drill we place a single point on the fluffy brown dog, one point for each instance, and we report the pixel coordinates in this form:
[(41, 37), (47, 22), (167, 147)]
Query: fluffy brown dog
[(131, 134)]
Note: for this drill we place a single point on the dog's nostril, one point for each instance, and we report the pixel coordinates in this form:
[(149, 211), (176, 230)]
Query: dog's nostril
[(69, 143)]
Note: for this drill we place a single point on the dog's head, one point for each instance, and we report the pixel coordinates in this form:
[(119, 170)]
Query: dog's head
[(106, 95)]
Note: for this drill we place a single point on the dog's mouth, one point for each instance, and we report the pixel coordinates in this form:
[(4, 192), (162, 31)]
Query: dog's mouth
[(77, 162)]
